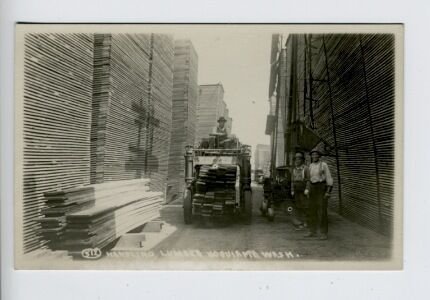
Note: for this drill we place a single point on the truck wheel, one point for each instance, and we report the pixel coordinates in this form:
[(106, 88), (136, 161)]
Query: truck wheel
[(263, 207), (270, 214), (188, 207), (247, 200)]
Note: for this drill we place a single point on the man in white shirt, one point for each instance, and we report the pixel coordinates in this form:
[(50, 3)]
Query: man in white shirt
[(221, 126), (321, 184), (221, 132)]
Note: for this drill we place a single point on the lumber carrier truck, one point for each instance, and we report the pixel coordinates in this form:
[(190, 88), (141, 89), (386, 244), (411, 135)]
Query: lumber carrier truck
[(218, 180)]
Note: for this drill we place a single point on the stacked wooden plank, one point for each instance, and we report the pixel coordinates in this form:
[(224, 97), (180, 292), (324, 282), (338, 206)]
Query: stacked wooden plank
[(101, 94), (357, 126), (215, 194), (111, 217), (208, 109), (121, 84), (132, 107), (160, 106), (185, 93), (58, 205), (361, 69), (95, 215), (58, 74), (62, 202), (379, 56), (97, 108)]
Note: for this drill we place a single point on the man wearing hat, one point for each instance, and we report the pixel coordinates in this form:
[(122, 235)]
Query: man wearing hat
[(321, 184), (221, 131), (300, 184), (221, 125)]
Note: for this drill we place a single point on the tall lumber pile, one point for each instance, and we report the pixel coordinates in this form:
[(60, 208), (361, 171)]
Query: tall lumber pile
[(159, 126), (185, 94), (58, 76), (132, 107), (97, 108), (350, 104)]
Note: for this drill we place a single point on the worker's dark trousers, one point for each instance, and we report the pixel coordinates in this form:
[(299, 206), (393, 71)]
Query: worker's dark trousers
[(318, 208), (301, 202)]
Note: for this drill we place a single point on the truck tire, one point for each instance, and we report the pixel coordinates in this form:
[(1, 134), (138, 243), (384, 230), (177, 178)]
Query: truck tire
[(247, 201), (188, 207), (270, 214), (263, 207)]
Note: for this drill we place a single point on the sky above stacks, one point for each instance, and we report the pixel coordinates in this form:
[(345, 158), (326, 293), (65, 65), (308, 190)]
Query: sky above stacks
[(241, 62)]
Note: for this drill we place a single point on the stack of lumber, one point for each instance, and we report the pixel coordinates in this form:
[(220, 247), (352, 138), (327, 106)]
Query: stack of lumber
[(58, 75), (209, 107), (101, 90), (364, 124), (58, 205), (185, 93), (95, 215), (97, 108), (132, 107), (160, 108), (120, 107), (361, 69), (379, 56), (215, 193)]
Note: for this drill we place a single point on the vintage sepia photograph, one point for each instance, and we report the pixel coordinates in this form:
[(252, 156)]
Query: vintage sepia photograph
[(208, 147)]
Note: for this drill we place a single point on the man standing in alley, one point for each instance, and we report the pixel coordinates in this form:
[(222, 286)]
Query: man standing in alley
[(300, 183), (321, 184)]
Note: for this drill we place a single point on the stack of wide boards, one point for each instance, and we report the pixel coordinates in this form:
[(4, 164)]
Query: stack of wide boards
[(95, 215), (58, 76), (361, 69), (58, 205), (132, 107), (61, 203), (121, 115), (185, 93), (215, 192), (97, 108), (160, 107), (100, 104)]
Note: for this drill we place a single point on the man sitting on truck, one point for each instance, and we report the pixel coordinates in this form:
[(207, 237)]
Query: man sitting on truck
[(221, 133)]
